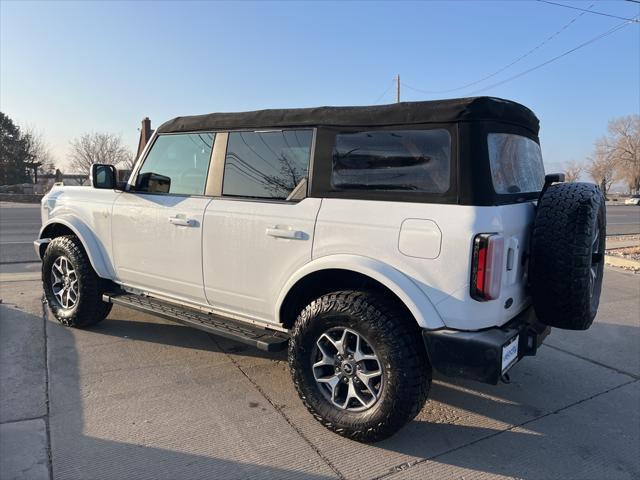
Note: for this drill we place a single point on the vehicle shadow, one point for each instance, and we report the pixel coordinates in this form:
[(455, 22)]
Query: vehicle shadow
[(173, 334), (78, 455), (458, 414)]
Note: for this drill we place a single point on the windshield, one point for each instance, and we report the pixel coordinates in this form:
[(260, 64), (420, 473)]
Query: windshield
[(516, 163)]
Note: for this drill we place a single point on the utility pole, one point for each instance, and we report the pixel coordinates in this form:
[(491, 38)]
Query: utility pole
[(398, 88)]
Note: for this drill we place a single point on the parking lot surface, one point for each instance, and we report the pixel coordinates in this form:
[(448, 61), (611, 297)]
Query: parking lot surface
[(139, 397)]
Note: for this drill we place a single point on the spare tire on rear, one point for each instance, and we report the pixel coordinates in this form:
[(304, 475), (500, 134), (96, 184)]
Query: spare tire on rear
[(567, 255)]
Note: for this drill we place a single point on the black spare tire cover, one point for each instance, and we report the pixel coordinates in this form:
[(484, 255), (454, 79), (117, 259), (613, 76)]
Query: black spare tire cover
[(567, 255)]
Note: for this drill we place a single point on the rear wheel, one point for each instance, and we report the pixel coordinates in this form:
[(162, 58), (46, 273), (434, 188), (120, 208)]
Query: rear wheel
[(359, 364), (71, 286)]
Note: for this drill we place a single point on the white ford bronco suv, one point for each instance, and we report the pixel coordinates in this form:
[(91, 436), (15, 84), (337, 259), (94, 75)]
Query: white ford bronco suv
[(375, 243)]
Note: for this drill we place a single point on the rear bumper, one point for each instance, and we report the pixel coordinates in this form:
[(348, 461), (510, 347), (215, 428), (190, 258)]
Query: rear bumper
[(479, 355)]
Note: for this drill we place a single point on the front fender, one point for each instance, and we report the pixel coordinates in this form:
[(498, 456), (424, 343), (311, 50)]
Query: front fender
[(92, 245), (401, 285)]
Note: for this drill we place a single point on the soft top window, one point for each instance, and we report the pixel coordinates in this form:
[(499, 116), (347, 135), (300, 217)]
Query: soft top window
[(516, 163), (411, 160), (271, 164), (176, 164)]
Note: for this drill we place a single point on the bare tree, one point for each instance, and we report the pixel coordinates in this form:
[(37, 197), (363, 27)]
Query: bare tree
[(94, 147), (572, 171), (623, 145), (603, 167), (39, 150)]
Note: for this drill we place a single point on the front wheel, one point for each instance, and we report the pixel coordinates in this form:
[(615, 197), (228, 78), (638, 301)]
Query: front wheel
[(71, 286), (359, 365)]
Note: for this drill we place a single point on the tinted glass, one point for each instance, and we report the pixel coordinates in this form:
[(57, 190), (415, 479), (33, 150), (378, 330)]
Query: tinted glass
[(516, 163), (417, 160), (183, 158), (266, 164)]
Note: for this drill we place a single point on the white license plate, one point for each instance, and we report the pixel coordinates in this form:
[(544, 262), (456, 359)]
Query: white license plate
[(510, 353)]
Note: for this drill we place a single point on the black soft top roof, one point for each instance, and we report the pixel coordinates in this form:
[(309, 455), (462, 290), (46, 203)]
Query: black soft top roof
[(405, 113)]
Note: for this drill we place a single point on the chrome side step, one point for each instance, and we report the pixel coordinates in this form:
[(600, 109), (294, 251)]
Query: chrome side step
[(268, 340)]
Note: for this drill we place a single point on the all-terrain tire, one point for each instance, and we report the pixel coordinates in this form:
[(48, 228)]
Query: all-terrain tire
[(567, 255), (88, 307), (396, 339)]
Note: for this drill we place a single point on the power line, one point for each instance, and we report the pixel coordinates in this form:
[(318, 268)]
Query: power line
[(584, 44), (385, 92), (500, 70), (589, 11)]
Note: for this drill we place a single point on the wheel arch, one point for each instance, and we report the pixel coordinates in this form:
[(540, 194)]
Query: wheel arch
[(337, 272), (57, 227)]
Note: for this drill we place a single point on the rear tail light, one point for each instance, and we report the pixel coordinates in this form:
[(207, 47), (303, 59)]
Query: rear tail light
[(486, 267)]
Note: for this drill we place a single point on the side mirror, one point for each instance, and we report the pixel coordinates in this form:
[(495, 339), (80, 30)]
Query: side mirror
[(103, 176), (550, 178), (153, 183)]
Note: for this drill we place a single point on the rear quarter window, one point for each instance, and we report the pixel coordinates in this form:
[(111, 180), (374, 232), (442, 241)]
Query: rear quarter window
[(516, 163), (411, 160)]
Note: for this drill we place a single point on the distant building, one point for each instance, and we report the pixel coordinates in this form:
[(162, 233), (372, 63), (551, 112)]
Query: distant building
[(46, 181), (145, 135)]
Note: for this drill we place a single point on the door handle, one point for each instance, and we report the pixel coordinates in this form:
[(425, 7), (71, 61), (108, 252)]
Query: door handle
[(285, 233), (182, 222)]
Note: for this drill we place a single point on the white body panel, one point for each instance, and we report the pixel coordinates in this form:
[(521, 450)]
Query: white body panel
[(157, 244), (400, 284), (241, 257), (372, 229), (87, 212), (251, 249)]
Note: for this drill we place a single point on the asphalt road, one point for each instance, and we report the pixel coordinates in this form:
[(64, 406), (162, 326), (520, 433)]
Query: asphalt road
[(623, 219), (19, 226)]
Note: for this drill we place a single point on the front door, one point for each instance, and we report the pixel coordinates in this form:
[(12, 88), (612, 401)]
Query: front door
[(157, 225), (259, 231)]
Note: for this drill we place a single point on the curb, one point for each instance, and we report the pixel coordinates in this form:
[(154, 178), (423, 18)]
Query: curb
[(621, 262), (21, 197)]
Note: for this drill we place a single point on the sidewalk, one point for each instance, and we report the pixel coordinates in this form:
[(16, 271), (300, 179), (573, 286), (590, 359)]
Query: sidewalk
[(622, 241), (24, 449)]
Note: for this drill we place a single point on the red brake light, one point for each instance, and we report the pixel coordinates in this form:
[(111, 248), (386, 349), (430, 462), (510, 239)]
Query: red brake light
[(486, 267)]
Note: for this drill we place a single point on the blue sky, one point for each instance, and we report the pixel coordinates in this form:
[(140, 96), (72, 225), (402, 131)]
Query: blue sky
[(71, 67)]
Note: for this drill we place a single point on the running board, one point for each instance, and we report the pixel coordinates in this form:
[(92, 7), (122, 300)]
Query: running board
[(268, 340)]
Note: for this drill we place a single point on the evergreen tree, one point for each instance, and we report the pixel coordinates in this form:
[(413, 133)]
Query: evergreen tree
[(13, 153)]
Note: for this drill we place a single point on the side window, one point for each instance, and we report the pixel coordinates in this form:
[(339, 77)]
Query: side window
[(177, 164), (266, 164), (417, 160)]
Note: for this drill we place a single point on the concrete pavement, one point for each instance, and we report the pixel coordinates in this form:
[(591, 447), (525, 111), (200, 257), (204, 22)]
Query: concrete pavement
[(138, 397)]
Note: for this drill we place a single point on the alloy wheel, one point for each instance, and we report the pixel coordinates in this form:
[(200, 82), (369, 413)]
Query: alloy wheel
[(347, 369), (64, 283)]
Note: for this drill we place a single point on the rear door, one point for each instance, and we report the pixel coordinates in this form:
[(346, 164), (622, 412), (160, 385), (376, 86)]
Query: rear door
[(157, 225), (259, 229)]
